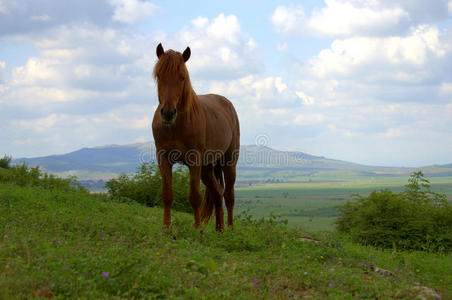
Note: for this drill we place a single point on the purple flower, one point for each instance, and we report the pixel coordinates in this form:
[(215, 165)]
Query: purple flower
[(330, 284), (105, 274), (255, 281)]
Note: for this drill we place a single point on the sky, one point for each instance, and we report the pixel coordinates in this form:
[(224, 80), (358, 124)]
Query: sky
[(367, 81)]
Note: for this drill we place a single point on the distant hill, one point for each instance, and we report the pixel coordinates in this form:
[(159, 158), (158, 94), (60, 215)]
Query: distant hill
[(109, 161)]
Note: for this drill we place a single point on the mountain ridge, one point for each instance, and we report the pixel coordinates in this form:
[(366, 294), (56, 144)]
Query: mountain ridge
[(108, 161)]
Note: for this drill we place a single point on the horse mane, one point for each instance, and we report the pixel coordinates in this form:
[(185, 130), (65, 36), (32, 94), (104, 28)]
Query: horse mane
[(171, 63)]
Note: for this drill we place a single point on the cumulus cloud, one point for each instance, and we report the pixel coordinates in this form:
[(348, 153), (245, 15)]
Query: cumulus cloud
[(132, 11), (413, 59), (219, 47), (358, 17), (84, 76)]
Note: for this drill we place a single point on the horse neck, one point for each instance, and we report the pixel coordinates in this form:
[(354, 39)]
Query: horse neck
[(191, 102)]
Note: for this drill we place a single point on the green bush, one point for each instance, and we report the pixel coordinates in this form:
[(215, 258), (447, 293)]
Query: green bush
[(414, 219), (23, 175), (145, 187)]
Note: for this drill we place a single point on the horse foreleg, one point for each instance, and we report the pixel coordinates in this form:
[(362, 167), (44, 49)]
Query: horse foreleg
[(194, 195), (167, 190)]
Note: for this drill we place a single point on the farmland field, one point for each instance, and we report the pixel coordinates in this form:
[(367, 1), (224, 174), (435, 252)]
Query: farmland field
[(311, 205)]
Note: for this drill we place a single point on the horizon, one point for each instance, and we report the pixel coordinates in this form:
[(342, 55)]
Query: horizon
[(246, 145), (361, 81)]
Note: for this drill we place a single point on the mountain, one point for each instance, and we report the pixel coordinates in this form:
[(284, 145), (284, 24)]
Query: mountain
[(109, 161)]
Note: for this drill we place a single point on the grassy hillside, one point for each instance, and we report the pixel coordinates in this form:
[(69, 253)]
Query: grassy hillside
[(72, 244)]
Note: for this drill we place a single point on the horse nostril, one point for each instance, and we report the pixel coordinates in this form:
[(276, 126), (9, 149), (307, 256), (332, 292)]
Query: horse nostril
[(161, 111), (174, 112)]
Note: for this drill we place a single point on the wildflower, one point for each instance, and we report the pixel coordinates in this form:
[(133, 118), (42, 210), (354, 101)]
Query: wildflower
[(105, 274), (417, 270), (255, 281), (321, 256)]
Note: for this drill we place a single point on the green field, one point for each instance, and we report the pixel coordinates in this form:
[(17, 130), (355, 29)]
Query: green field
[(71, 244), (311, 205)]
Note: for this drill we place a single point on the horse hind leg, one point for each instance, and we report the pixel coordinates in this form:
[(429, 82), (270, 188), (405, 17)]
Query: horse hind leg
[(229, 197), (212, 198)]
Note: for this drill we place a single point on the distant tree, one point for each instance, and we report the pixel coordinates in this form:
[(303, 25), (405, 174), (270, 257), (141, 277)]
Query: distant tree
[(5, 162), (418, 190), (145, 186)]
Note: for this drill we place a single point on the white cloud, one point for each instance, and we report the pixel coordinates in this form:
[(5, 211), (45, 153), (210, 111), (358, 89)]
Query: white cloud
[(132, 11), (289, 19), (403, 59), (349, 18), (358, 17), (306, 99), (36, 72), (446, 89)]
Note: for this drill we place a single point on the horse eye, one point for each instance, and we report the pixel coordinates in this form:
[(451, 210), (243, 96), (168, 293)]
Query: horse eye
[(157, 77), (182, 78)]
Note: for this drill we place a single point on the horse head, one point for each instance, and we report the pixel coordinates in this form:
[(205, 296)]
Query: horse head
[(173, 82)]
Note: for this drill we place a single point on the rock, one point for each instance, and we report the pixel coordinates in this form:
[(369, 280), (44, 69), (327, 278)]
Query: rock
[(425, 293), (307, 239), (380, 271)]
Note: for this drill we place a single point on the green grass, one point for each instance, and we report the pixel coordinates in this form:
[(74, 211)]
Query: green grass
[(74, 245)]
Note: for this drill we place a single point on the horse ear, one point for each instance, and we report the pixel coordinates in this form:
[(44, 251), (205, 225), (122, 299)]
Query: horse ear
[(186, 54), (160, 50)]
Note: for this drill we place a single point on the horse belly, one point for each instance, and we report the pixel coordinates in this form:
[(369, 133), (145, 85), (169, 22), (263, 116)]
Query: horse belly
[(218, 136)]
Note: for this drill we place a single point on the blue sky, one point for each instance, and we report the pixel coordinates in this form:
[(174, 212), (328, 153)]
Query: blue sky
[(367, 81)]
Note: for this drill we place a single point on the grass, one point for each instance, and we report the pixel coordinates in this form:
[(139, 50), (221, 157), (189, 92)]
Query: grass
[(75, 245)]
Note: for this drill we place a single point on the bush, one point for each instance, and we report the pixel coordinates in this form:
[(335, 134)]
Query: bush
[(414, 219), (23, 175), (145, 186)]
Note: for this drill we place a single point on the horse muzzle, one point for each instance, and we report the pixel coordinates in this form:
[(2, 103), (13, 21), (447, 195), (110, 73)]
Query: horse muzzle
[(168, 116)]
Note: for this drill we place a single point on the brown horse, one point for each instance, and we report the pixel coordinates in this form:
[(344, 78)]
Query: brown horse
[(199, 131)]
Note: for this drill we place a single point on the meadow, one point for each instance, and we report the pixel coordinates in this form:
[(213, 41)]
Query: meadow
[(72, 244), (311, 205)]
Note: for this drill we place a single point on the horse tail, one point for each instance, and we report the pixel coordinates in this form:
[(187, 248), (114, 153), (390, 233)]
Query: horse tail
[(208, 204), (219, 176)]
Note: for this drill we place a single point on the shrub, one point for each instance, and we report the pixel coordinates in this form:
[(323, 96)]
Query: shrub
[(23, 175), (145, 186), (416, 218)]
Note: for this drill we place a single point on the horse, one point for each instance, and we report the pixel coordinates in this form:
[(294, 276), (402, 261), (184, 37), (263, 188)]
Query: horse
[(199, 131)]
